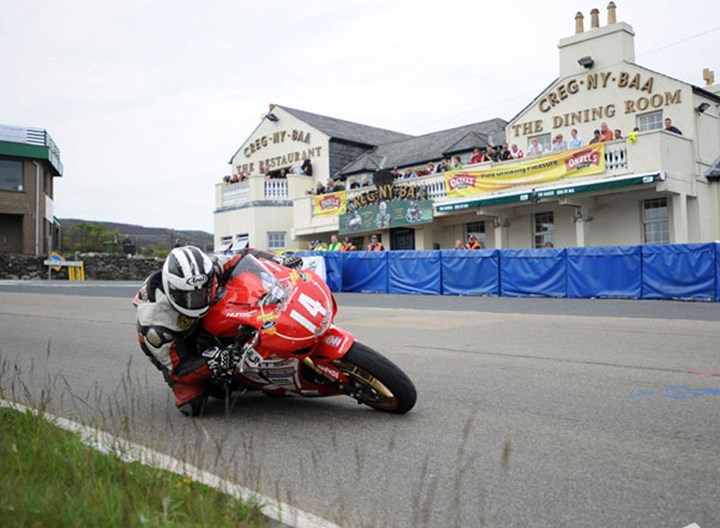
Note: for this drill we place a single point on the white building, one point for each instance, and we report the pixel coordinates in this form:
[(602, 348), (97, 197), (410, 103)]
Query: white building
[(656, 187)]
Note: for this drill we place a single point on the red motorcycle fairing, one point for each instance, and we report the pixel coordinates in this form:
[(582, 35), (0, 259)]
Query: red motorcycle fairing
[(291, 309)]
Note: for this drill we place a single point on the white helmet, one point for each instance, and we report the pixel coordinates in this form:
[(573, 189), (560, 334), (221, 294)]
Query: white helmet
[(188, 278)]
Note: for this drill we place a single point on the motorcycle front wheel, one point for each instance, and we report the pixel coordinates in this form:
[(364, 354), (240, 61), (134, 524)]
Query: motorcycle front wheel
[(376, 381)]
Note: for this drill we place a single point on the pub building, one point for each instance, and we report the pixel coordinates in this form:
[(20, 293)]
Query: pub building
[(648, 185)]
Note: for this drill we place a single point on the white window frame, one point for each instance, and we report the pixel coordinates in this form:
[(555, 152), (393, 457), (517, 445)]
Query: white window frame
[(276, 240), (656, 229), (650, 121), (542, 236)]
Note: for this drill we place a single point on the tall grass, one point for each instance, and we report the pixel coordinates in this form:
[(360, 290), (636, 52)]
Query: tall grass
[(50, 478)]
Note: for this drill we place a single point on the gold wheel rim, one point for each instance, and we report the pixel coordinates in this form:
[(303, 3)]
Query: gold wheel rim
[(381, 396)]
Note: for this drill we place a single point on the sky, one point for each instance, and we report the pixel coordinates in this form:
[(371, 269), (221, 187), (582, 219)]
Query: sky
[(149, 99)]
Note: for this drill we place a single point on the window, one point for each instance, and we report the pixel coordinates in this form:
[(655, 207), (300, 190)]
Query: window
[(477, 229), (656, 227), (649, 121), (276, 240), (11, 175), (544, 228)]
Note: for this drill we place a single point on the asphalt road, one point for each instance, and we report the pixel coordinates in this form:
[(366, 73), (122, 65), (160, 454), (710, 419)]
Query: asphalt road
[(531, 412)]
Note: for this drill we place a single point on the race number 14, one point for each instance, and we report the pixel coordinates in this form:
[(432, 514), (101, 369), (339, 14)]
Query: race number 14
[(313, 308)]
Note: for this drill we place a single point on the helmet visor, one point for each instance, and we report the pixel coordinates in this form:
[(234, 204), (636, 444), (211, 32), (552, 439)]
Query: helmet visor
[(193, 299)]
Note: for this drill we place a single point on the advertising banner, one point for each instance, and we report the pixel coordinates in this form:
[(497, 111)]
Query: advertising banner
[(583, 161), (330, 204), (384, 215)]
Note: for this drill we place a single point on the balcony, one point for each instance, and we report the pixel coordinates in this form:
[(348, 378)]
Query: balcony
[(653, 151), (256, 189)]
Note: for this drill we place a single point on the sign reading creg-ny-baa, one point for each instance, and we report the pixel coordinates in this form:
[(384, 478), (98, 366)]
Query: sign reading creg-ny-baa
[(643, 98), (255, 146)]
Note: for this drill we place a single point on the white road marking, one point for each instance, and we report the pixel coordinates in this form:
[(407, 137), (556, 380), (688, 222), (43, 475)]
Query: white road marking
[(129, 451)]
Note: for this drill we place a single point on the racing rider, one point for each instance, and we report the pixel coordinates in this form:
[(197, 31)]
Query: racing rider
[(170, 304)]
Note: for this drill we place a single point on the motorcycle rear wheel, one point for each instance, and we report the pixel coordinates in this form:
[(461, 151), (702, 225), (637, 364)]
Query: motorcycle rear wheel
[(376, 381)]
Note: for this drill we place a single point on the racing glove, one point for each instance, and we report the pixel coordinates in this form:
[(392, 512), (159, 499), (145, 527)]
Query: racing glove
[(222, 361), (291, 261)]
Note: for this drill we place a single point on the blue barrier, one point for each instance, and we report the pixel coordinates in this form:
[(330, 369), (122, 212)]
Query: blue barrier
[(414, 272), (474, 272), (532, 272), (611, 271), (684, 271), (365, 271), (665, 271)]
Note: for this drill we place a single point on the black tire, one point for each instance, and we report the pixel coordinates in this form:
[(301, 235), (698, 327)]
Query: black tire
[(376, 381)]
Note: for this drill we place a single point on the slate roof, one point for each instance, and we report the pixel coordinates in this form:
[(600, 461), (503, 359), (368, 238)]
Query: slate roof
[(430, 147), (347, 130)]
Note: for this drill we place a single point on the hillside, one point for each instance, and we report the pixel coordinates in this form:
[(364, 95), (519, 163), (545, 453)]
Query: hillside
[(150, 236)]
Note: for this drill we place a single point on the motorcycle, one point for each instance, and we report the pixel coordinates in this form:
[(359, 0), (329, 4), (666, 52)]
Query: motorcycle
[(280, 321)]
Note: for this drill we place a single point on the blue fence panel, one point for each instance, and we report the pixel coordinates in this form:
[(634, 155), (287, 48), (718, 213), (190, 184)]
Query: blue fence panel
[(679, 271), (474, 272), (365, 271), (717, 272), (333, 270), (414, 272), (530, 272), (611, 271)]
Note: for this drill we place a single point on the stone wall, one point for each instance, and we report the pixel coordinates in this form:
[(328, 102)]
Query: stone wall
[(98, 266)]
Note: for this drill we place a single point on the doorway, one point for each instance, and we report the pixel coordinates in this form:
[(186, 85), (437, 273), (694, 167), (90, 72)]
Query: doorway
[(402, 238)]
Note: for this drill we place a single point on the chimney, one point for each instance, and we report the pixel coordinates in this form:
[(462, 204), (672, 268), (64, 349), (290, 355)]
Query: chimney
[(579, 23), (612, 15), (271, 107), (594, 18), (708, 76)]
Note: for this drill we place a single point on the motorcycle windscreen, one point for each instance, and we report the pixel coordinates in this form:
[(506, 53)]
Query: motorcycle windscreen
[(253, 284)]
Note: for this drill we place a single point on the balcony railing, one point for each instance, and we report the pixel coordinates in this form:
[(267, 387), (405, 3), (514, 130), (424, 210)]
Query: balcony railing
[(276, 190)]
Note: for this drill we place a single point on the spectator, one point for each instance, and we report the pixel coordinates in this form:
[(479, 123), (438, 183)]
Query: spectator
[(575, 141), (597, 137), (396, 174), (306, 167), (548, 245), (227, 178), (354, 183), (443, 166), (347, 245), (320, 188), (535, 148), (559, 144), (477, 156), (334, 244), (317, 245), (473, 243), (490, 154), (374, 244), (338, 185), (457, 163), (459, 245), (632, 137), (670, 128), (605, 132), (504, 153), (430, 168), (364, 182), (515, 152), (618, 134)]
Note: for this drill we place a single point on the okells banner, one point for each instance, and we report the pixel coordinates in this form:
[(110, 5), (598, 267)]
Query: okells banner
[(582, 161)]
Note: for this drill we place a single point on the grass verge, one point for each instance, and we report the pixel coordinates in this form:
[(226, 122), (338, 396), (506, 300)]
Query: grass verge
[(48, 477)]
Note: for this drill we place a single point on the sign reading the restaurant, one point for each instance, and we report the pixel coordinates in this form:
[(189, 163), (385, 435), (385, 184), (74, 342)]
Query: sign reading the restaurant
[(385, 215), (639, 88), (583, 161), (254, 148)]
